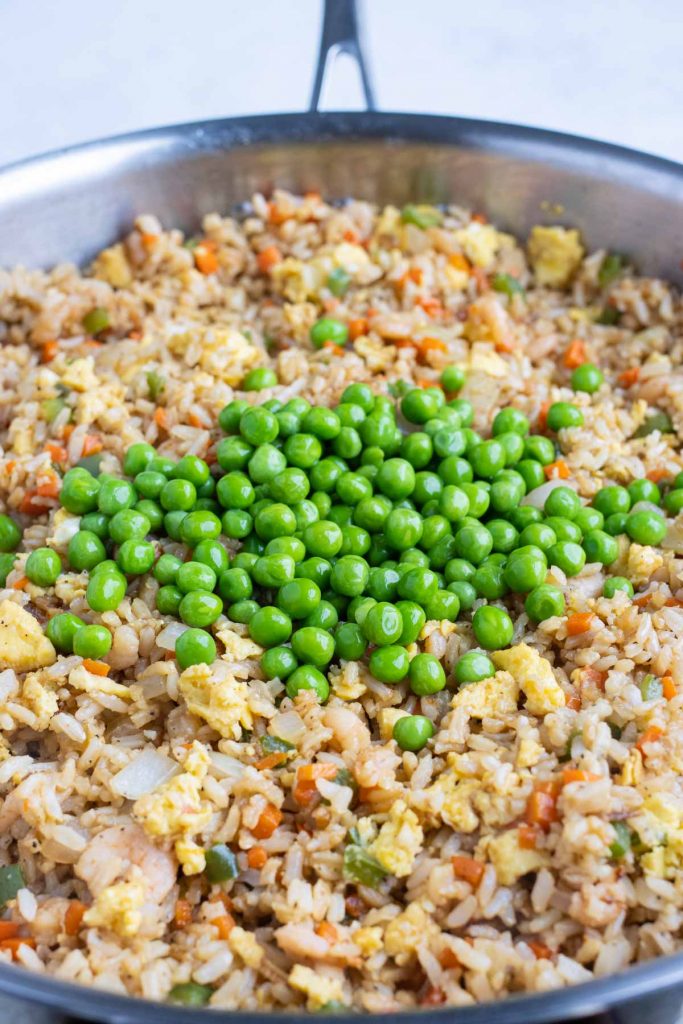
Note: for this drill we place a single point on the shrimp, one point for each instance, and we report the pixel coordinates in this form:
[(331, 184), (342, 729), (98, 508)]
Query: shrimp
[(113, 854), (350, 734)]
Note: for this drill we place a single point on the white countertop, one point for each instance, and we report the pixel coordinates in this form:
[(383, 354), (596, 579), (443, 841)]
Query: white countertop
[(75, 70)]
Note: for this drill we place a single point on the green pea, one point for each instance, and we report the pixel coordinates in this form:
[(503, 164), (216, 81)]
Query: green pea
[(612, 499), (234, 453), (324, 616), (506, 493), (106, 591), (79, 492), (465, 410), (600, 547), (413, 617), (478, 495), (458, 569), (616, 523), (61, 630), (562, 501), (562, 415), (137, 458), (189, 993), (492, 627), (564, 529), (168, 600), (418, 585), (316, 569), (278, 663), (644, 527), (355, 541), (351, 414), (568, 556), (473, 543), (514, 447), (452, 378), (323, 538), (176, 496), (259, 378), (128, 524), (588, 518), (92, 642), (308, 677), (43, 567), (10, 534), (417, 449), (426, 675), (298, 597), (443, 606), (270, 627), (473, 667), (434, 529), (329, 329), (489, 581), (361, 395), (383, 624), (195, 647), (465, 593), (313, 646), (455, 470), (350, 644), (673, 501), (96, 320), (389, 664), (539, 448), (540, 535), (258, 425), (587, 377), (644, 490), (487, 458), (532, 473), (200, 608), (277, 520), (413, 732), (350, 575), (85, 551), (243, 611), (160, 464), (510, 420), (420, 405), (615, 583), (194, 576), (544, 602)]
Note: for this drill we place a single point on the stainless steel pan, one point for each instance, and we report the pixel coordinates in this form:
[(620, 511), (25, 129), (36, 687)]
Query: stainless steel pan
[(68, 205)]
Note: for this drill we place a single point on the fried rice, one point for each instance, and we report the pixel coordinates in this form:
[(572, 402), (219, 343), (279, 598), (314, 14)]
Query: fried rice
[(474, 903)]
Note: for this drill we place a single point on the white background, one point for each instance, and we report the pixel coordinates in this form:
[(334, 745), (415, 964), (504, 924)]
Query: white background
[(78, 69)]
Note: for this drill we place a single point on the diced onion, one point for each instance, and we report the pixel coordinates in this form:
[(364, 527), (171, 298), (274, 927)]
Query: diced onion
[(168, 636), (144, 773), (288, 726), (227, 767), (647, 506), (539, 495), (9, 684), (673, 539)]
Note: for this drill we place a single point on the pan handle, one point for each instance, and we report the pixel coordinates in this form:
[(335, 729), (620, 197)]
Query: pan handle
[(340, 34)]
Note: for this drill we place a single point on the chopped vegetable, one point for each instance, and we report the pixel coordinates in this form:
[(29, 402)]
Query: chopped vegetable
[(622, 840), (541, 807), (221, 864), (273, 744), (609, 317), (651, 688), (612, 265), (468, 869), (507, 285), (575, 354), (657, 421), (156, 385), (96, 321), (421, 216), (579, 622), (11, 881), (361, 867), (269, 820), (51, 408), (189, 993)]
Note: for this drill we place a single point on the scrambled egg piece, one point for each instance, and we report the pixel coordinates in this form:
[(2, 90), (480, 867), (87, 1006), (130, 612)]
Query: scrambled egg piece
[(42, 701), (23, 645), (510, 860), (387, 718), (481, 242), (318, 988), (64, 527), (407, 931), (368, 940), (632, 769), (245, 945), (81, 679), (176, 808), (489, 698), (190, 856), (80, 375), (224, 705), (92, 405), (223, 352), (450, 798), (555, 254), (113, 267), (535, 676), (347, 683), (298, 280), (642, 563), (399, 841), (528, 753), (118, 907), (238, 648), (484, 360)]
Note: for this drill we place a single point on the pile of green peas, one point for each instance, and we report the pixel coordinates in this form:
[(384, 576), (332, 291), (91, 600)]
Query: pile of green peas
[(355, 525)]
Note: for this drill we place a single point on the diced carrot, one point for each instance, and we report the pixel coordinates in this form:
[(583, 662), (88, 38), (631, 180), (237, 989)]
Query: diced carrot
[(424, 382), (643, 600), (432, 306), (270, 818), (73, 916), (182, 914), (651, 735), (504, 343), (21, 583), (205, 257), (460, 262), (425, 345), (160, 417), (56, 452), (10, 466), (629, 377), (49, 351), (278, 214), (97, 668), (92, 444), (8, 929), (13, 944), (257, 857), (579, 622), (30, 507), (268, 258), (49, 488), (224, 925), (66, 431), (574, 354), (668, 687), (527, 836), (135, 335), (351, 236), (312, 196), (543, 415), (673, 602), (304, 789), (332, 346), (357, 328), (574, 702), (194, 420), (271, 760), (540, 951), (655, 475), (433, 997), (327, 931), (596, 676), (480, 218), (448, 959), (541, 807), (366, 793), (225, 900), (148, 239), (558, 470), (330, 304), (468, 869), (570, 775)]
